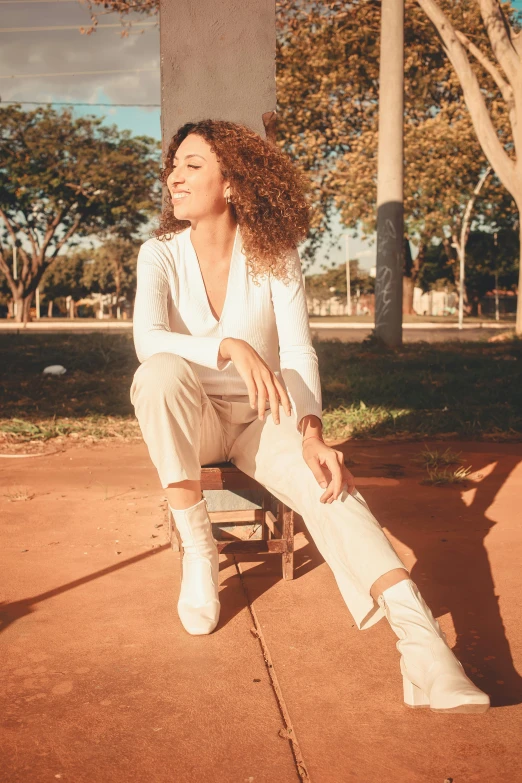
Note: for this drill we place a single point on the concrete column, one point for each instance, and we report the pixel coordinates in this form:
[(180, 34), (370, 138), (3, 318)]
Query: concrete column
[(217, 62), (390, 210)]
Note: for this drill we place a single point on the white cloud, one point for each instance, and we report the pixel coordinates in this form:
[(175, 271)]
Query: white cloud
[(67, 50)]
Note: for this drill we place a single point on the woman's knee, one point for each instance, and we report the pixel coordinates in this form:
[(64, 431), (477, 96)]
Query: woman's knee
[(162, 372)]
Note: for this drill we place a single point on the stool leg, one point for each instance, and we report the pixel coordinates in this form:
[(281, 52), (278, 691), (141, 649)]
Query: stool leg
[(266, 534), (288, 536)]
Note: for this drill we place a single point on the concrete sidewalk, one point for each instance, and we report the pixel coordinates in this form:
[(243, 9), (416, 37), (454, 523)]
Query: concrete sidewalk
[(101, 683), (91, 325)]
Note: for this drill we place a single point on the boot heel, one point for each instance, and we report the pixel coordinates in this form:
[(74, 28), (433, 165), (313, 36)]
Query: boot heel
[(413, 696)]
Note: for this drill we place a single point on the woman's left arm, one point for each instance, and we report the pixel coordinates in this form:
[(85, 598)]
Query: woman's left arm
[(297, 356), (300, 371)]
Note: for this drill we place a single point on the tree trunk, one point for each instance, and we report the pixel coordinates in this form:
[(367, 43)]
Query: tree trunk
[(408, 280), (474, 306), (411, 275), (50, 309), (518, 324), (23, 306)]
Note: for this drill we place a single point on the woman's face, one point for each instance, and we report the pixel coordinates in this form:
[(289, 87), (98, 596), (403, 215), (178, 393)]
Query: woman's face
[(197, 178)]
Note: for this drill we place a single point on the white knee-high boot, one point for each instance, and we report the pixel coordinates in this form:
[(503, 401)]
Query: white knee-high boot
[(198, 604), (432, 675)]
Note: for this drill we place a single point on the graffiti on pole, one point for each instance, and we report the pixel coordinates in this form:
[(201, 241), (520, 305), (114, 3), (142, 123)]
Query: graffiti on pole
[(388, 280)]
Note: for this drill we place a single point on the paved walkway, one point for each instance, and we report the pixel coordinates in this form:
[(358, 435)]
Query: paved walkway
[(101, 683), (83, 324)]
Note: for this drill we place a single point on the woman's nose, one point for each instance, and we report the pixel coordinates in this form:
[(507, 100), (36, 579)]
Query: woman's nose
[(174, 182)]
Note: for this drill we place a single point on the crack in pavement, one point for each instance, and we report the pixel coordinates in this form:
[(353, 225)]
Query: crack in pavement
[(288, 732)]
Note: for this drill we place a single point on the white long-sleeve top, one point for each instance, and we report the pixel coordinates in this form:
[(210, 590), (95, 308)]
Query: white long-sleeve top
[(172, 314)]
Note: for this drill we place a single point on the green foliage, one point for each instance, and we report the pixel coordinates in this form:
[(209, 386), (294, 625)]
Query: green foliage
[(319, 285), (328, 56), (65, 278), (63, 177), (486, 253), (111, 268)]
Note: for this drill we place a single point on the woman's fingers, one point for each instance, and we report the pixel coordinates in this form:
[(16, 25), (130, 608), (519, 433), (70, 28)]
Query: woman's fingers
[(348, 482), (332, 461), (335, 464), (283, 396), (348, 479), (261, 395), (268, 387), (252, 390), (272, 394)]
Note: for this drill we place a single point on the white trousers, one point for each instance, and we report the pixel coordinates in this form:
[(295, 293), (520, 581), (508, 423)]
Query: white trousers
[(184, 428)]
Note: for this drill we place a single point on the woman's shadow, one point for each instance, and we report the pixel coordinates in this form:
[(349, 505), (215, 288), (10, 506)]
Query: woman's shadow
[(454, 574)]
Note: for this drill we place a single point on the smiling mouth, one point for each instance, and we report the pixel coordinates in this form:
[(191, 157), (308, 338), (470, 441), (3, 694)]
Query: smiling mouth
[(179, 197)]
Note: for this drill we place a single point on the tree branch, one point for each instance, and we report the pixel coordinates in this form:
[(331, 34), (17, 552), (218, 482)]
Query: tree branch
[(500, 35), (67, 236), (9, 227), (466, 224), (504, 86), (51, 228), (502, 164), (4, 266)]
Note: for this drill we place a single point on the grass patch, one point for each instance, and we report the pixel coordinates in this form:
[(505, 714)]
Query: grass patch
[(452, 389), (447, 476), (432, 458), (466, 390)]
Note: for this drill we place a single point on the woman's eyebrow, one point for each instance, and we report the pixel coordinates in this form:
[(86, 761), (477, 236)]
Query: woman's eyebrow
[(192, 155)]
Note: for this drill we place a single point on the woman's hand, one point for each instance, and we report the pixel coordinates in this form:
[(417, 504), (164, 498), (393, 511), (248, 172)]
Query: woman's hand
[(334, 475), (258, 377)]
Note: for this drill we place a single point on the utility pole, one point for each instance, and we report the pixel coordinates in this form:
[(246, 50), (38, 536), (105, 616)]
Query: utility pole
[(390, 176), (348, 284)]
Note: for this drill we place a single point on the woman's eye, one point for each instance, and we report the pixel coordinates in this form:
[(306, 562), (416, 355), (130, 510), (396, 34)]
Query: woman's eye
[(189, 165)]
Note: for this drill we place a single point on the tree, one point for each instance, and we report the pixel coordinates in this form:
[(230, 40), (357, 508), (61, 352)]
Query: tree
[(64, 277), (111, 268), (122, 7), (501, 61), (327, 71), (61, 178), (327, 81), (491, 258), (318, 286)]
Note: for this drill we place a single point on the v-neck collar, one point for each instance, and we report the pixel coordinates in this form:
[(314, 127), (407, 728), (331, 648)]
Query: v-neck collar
[(201, 282)]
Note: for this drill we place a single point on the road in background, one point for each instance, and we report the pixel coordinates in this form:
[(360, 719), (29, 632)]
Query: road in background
[(347, 332)]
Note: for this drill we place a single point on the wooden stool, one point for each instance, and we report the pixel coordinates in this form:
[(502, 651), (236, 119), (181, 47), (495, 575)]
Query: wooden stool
[(277, 532)]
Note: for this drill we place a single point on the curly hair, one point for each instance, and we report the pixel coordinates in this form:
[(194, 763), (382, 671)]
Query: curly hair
[(269, 194)]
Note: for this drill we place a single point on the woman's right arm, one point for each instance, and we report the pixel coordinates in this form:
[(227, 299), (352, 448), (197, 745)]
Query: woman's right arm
[(261, 382), (151, 330)]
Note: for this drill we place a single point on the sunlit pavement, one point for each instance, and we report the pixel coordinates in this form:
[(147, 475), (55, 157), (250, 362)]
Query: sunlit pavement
[(102, 683)]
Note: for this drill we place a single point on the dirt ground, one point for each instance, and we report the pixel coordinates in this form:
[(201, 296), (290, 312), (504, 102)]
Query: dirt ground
[(100, 682)]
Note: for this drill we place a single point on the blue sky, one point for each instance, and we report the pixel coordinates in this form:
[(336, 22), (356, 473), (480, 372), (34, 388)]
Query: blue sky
[(131, 66)]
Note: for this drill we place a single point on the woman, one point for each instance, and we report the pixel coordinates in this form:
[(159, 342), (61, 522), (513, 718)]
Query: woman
[(222, 334)]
